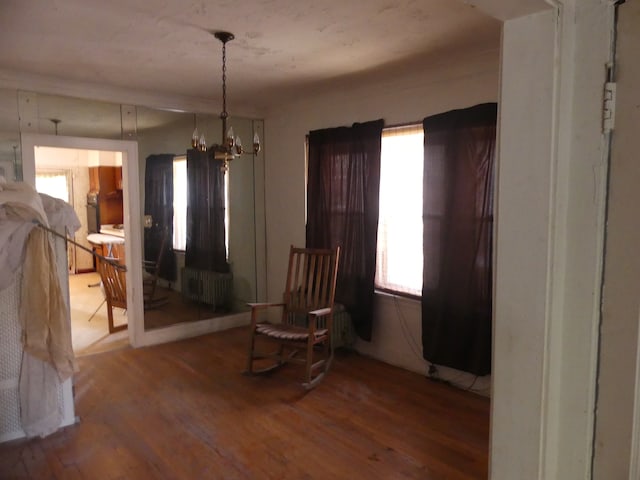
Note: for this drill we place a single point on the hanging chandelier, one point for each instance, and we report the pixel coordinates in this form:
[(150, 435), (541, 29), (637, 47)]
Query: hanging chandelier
[(230, 146)]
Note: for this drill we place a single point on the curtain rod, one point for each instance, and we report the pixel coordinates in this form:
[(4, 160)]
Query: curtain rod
[(407, 124)]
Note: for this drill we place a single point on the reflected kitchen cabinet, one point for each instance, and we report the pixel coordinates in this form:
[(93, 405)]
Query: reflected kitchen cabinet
[(118, 178), (106, 182)]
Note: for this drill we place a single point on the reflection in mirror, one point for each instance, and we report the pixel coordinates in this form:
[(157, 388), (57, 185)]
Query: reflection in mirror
[(157, 132), (10, 154), (174, 291), (77, 117), (53, 115)]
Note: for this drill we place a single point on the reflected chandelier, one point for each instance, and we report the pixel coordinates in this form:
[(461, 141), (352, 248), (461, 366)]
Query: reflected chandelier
[(231, 146)]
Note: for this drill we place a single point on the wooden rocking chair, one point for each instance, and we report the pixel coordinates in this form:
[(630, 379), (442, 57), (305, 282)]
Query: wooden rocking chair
[(308, 297), (150, 274), (113, 276)]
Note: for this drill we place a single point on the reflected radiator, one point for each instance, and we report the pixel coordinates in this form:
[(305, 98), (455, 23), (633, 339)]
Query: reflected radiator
[(343, 334), (212, 288)]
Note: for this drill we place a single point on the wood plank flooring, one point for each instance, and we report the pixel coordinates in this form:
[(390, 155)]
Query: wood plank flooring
[(184, 411)]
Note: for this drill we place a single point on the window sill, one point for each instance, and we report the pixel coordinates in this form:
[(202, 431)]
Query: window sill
[(398, 295)]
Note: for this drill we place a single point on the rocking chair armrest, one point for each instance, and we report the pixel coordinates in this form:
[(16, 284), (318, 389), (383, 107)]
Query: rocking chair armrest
[(321, 312)]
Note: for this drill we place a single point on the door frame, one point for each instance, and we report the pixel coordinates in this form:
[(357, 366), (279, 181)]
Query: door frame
[(131, 209)]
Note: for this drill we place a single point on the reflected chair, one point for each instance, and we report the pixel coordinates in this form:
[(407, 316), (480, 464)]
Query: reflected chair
[(112, 275), (150, 273), (308, 298)]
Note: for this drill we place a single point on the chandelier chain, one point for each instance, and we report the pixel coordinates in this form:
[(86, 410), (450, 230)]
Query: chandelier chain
[(224, 80)]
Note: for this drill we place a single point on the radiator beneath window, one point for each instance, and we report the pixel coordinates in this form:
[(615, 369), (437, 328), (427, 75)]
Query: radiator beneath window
[(212, 288)]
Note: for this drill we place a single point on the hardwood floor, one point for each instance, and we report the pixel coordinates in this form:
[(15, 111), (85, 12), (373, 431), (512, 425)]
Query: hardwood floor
[(184, 411)]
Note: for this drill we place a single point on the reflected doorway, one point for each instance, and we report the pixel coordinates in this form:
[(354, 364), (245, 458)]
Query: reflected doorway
[(126, 154), (91, 182)]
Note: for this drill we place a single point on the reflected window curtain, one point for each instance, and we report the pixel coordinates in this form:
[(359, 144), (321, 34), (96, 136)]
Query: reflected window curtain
[(158, 202), (205, 248), (342, 209), (458, 226)]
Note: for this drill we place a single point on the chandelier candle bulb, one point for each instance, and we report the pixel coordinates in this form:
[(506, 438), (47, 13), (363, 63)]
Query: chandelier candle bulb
[(194, 138), (230, 140), (239, 150), (256, 143)]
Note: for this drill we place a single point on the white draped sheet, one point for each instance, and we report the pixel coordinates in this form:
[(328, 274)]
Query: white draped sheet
[(48, 356)]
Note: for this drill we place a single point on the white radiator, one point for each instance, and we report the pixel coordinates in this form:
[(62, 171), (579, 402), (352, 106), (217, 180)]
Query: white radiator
[(212, 288)]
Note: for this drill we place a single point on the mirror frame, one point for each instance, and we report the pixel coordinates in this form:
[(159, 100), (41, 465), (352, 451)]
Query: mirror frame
[(131, 203)]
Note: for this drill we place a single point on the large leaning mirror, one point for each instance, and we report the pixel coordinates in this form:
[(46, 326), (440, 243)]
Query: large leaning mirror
[(179, 288), (10, 154), (94, 182)]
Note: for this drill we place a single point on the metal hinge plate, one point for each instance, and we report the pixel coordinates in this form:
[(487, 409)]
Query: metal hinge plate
[(609, 107)]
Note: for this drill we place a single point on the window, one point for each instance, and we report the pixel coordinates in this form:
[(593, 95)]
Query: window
[(180, 203), (399, 251), (180, 191)]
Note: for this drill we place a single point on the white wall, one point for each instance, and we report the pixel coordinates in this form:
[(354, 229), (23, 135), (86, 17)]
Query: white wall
[(552, 174), (455, 82), (524, 181), (621, 297)]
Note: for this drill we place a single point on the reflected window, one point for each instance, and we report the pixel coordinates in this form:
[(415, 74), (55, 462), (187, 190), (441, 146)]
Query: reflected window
[(180, 191), (53, 183), (180, 203)]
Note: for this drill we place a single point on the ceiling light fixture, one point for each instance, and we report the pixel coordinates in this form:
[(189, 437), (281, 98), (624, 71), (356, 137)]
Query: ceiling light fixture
[(231, 146)]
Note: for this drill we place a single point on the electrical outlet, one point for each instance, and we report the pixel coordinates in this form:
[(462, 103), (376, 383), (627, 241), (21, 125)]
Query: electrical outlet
[(148, 221)]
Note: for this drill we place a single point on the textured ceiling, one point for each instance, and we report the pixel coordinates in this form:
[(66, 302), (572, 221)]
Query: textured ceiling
[(283, 48)]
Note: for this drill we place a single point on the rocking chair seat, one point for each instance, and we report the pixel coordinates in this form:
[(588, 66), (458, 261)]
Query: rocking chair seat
[(287, 332)]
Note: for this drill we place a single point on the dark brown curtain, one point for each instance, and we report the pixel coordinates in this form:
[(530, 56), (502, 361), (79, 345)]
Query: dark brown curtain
[(205, 248), (158, 202), (458, 223), (342, 209)]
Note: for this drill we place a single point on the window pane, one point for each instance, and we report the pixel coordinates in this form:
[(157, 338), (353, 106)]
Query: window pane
[(53, 184), (399, 255), (179, 203)]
